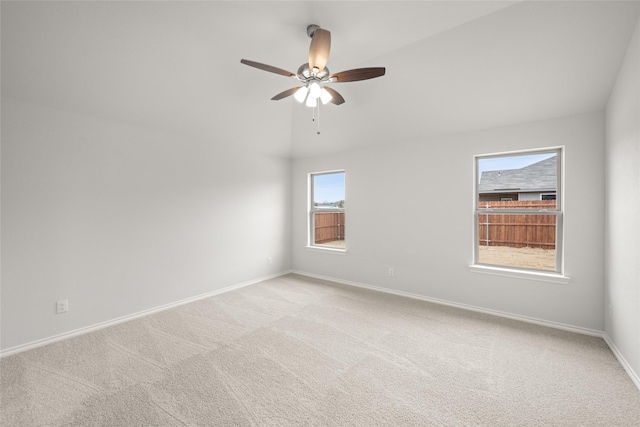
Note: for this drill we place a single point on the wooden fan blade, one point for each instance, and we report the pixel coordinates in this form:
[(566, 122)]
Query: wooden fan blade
[(269, 68), (358, 74), (286, 93), (319, 49), (336, 98)]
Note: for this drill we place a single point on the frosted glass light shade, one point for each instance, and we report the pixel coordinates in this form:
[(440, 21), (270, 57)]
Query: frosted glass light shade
[(325, 96), (301, 94), (314, 90), (311, 101)]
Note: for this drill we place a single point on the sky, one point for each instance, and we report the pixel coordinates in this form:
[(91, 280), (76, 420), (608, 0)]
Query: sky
[(328, 187), (510, 162)]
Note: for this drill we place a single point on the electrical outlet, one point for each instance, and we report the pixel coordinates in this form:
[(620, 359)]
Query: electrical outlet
[(610, 311), (391, 272), (269, 260), (62, 306)]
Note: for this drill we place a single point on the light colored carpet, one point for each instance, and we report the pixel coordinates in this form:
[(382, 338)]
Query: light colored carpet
[(297, 351)]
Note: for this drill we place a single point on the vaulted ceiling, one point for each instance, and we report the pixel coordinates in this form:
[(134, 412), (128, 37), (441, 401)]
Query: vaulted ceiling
[(452, 66)]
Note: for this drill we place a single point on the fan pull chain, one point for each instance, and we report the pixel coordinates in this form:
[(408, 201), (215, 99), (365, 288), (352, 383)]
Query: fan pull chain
[(313, 116)]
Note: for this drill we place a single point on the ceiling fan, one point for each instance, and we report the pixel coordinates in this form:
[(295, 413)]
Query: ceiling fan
[(314, 75)]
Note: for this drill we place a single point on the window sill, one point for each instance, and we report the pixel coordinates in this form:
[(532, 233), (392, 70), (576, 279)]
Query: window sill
[(521, 274), (335, 251)]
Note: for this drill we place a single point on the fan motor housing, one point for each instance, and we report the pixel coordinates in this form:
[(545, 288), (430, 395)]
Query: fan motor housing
[(305, 74)]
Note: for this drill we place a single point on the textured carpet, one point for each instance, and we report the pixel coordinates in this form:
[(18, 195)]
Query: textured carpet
[(298, 351)]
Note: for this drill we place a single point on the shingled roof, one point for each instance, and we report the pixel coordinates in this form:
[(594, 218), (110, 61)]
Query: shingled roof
[(540, 176)]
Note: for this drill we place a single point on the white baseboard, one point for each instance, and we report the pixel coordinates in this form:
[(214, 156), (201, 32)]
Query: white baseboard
[(101, 325), (541, 322), (38, 343), (586, 331), (632, 374)]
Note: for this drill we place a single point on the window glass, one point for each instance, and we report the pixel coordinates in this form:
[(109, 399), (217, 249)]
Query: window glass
[(327, 210), (328, 190), (518, 212)]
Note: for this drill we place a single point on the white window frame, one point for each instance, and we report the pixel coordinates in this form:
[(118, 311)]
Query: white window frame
[(312, 211), (556, 276)]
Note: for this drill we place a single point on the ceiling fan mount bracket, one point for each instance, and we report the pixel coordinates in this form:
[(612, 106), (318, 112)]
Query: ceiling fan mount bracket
[(311, 29)]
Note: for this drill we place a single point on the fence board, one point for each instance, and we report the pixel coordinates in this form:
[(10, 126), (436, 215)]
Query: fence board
[(517, 230), (329, 227)]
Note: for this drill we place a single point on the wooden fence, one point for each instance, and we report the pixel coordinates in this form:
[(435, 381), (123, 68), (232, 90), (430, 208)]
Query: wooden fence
[(329, 226), (517, 230)]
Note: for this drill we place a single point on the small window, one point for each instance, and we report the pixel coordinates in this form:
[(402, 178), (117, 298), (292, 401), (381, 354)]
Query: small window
[(327, 210), (521, 233)]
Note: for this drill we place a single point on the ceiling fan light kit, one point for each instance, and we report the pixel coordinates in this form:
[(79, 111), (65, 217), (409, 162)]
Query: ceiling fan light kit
[(314, 75)]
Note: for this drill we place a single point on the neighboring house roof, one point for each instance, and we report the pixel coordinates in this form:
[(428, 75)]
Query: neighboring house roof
[(540, 176)]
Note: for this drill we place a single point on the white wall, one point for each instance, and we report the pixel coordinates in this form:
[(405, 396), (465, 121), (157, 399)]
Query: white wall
[(623, 209), (409, 206), (119, 219)]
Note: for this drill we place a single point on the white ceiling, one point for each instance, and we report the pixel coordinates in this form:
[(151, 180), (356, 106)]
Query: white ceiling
[(452, 66)]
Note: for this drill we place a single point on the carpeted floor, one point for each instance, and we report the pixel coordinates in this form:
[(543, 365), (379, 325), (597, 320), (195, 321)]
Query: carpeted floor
[(297, 351)]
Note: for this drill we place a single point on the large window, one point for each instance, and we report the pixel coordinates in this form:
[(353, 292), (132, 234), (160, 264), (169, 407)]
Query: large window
[(327, 210), (518, 210)]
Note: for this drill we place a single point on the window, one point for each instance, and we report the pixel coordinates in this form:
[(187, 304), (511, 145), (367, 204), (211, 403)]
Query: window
[(327, 210), (524, 233)]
